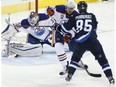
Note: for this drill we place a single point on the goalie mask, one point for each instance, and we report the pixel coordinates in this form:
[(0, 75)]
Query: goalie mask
[(33, 18)]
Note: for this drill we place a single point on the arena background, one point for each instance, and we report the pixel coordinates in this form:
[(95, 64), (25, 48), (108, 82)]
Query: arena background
[(11, 6)]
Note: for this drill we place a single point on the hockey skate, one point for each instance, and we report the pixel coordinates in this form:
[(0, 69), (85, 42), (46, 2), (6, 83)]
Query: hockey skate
[(65, 69), (111, 80), (69, 77)]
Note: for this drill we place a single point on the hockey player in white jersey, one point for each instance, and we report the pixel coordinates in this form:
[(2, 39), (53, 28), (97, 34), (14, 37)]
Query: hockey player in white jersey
[(61, 14), (41, 35), (35, 27)]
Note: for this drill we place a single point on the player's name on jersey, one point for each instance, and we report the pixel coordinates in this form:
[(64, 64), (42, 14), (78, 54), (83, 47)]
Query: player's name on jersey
[(83, 17)]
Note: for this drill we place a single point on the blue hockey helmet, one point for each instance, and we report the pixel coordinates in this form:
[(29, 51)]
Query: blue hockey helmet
[(82, 6)]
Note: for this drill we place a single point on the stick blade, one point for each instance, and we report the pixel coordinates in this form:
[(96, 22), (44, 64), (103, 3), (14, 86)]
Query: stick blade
[(95, 75)]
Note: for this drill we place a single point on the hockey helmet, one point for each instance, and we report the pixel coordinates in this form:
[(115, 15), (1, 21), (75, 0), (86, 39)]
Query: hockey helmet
[(82, 6), (70, 6), (33, 18)]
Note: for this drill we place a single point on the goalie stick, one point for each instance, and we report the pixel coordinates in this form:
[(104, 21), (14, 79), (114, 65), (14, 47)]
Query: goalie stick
[(8, 22), (89, 73), (8, 41)]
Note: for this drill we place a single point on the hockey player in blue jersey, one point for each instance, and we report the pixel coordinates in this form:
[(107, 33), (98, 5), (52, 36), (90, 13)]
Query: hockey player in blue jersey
[(85, 25), (61, 14)]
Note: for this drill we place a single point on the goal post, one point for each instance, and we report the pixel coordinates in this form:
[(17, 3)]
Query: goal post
[(36, 6)]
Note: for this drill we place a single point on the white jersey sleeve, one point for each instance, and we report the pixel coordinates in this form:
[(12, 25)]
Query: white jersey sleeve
[(41, 33)]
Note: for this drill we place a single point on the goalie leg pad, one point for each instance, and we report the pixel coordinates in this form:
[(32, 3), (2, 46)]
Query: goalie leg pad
[(27, 50)]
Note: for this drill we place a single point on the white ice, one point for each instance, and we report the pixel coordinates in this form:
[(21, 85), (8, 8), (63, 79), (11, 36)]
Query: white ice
[(43, 71)]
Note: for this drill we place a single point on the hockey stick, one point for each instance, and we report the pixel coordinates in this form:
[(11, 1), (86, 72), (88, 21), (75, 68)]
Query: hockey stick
[(8, 41), (8, 22), (8, 44), (91, 74)]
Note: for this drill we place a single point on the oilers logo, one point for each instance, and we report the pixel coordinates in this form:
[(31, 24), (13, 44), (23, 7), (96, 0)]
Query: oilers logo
[(39, 32)]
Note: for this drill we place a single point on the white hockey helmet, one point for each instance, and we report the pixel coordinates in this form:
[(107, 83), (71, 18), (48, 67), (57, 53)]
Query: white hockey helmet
[(33, 18), (70, 4)]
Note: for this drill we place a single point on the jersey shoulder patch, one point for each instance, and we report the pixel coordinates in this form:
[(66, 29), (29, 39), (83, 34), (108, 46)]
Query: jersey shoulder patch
[(24, 23)]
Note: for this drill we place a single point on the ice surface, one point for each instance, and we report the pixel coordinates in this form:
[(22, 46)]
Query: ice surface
[(43, 71)]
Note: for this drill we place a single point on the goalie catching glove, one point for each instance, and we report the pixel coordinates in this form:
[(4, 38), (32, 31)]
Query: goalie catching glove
[(9, 31)]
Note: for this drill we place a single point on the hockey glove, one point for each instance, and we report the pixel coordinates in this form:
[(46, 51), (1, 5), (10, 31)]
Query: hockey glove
[(67, 38), (9, 31), (50, 11)]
